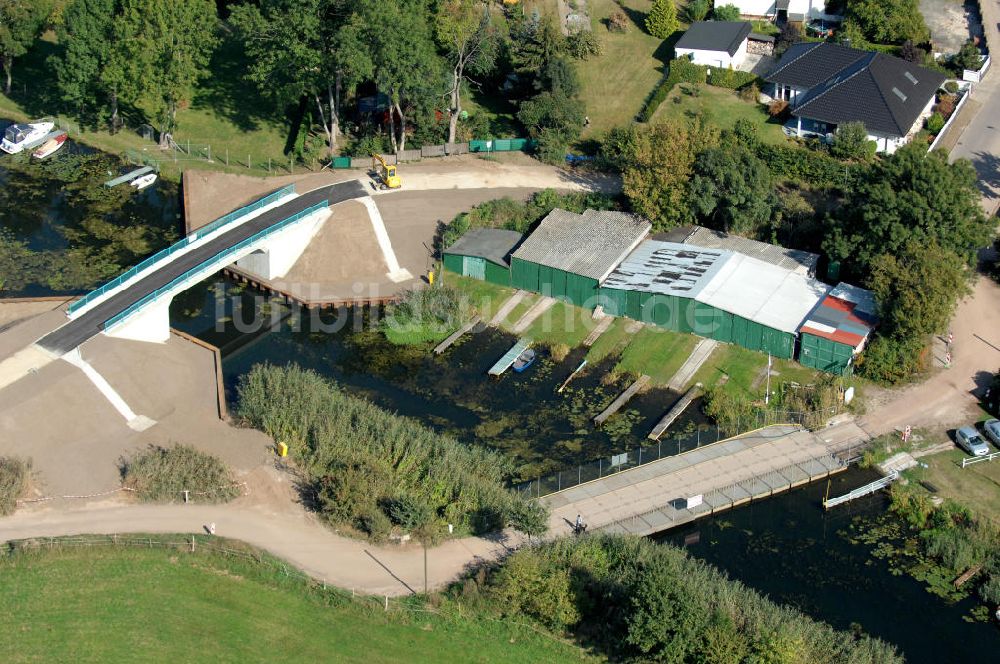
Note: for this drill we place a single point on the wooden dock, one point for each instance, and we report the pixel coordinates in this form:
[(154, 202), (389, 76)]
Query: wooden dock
[(622, 399), (596, 333), (456, 335), (674, 413), (508, 358), (532, 314), (865, 490)]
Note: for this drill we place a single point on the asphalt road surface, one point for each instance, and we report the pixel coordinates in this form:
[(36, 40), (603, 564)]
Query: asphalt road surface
[(79, 330)]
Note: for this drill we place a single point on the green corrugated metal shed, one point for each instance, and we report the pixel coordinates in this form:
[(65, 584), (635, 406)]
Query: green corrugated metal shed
[(825, 355), (482, 253)]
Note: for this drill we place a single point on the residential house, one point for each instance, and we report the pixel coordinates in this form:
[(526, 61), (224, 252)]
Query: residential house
[(796, 11), (715, 43), (829, 84)]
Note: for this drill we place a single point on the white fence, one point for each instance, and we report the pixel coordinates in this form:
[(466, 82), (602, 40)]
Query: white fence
[(951, 119), (968, 461), (977, 76)]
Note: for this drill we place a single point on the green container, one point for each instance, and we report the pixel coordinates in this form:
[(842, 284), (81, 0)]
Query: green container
[(341, 162), (478, 146), (502, 145), (519, 144)]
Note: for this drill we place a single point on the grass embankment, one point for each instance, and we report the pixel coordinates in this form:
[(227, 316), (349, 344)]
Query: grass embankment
[(14, 475), (720, 107), (169, 474), (105, 604)]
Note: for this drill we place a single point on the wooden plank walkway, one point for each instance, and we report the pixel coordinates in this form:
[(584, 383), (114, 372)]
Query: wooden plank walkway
[(508, 358), (508, 307), (622, 399), (596, 333), (865, 490), (641, 500), (701, 352), (674, 412), (456, 335), (532, 314)]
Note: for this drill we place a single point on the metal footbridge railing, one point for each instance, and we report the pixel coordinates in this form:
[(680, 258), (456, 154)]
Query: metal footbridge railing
[(179, 245), (120, 317)]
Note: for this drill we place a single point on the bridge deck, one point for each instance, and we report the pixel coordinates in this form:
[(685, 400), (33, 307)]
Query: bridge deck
[(89, 324)]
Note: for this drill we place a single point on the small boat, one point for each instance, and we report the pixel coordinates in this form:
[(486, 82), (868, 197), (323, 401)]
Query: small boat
[(524, 360), (19, 135), (49, 146), (143, 181)]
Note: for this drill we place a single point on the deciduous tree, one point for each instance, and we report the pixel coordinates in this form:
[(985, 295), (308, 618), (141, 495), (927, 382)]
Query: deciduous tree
[(852, 142), (732, 190), (471, 42), (21, 23), (889, 21), (726, 13)]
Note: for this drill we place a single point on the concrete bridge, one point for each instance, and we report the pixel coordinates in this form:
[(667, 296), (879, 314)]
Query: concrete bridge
[(265, 238)]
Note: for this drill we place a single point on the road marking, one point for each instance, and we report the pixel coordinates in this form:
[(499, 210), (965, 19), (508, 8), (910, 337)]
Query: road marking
[(135, 422), (396, 273)]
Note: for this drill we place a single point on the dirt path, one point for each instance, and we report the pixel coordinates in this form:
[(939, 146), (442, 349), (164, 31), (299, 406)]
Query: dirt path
[(949, 397), (291, 534)]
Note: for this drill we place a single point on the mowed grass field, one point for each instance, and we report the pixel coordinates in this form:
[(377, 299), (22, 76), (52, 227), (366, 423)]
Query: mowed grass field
[(115, 604), (615, 84), (717, 106)]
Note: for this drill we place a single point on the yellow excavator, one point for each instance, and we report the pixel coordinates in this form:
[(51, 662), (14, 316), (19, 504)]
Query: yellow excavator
[(384, 174)]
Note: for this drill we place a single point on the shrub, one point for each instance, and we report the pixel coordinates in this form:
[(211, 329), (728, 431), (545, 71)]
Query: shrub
[(163, 474), (619, 22), (750, 93), (730, 411), (583, 44), (778, 109), (888, 360), (945, 106), (851, 142), (697, 10), (680, 70), (802, 165), (968, 57), (14, 473), (359, 461), (558, 352), (726, 13), (951, 87), (423, 315), (935, 123)]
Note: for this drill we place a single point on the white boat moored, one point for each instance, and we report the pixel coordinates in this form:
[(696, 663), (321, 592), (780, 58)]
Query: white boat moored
[(143, 181), (50, 146), (21, 135)]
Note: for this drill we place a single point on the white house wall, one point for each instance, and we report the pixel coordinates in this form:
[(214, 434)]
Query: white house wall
[(765, 8), (715, 58)]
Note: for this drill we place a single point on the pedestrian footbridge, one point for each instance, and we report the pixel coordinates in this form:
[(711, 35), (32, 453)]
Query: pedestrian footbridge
[(266, 237)]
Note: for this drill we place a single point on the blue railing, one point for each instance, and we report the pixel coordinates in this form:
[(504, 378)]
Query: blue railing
[(125, 313), (180, 244)]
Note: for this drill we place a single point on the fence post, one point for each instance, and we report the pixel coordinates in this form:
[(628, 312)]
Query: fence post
[(559, 480), (227, 156), (248, 161), (640, 456), (210, 153), (600, 467), (192, 544), (386, 602), (579, 474)]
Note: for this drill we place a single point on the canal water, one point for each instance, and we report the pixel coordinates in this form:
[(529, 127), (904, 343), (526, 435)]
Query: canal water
[(790, 549), (61, 231), (520, 414)]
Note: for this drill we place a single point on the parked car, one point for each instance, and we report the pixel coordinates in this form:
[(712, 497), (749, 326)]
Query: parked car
[(970, 441), (992, 429)]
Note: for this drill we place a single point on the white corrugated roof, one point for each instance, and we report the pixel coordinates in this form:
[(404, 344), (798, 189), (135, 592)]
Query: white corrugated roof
[(764, 293), (667, 268)]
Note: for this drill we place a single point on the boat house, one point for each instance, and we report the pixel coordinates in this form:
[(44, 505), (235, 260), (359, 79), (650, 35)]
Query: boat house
[(483, 253)]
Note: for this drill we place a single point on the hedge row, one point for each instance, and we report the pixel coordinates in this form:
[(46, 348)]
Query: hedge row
[(802, 164), (680, 70), (731, 78)]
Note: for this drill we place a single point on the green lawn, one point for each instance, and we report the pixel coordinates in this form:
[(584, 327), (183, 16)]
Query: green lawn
[(977, 486), (615, 84), (612, 342), (562, 324), (156, 605), (744, 370), (657, 352), (719, 106)]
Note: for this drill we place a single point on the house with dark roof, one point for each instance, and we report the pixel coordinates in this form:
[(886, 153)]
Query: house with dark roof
[(829, 84), (715, 43)]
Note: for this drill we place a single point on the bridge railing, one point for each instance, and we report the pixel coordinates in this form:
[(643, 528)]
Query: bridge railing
[(135, 307), (180, 244)]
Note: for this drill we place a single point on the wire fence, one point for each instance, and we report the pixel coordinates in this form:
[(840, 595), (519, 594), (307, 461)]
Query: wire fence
[(668, 445)]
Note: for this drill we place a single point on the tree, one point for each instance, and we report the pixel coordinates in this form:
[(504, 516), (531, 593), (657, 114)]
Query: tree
[(657, 163), (732, 190), (910, 195), (911, 53), (697, 10), (470, 41), (790, 34), (662, 19), (165, 49), (665, 620), (726, 13), (90, 67), (968, 57), (555, 120), (852, 142), (295, 53), (21, 23), (889, 21), (396, 38)]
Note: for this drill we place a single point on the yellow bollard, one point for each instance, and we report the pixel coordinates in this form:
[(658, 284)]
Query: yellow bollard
[(282, 450), (430, 277)]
